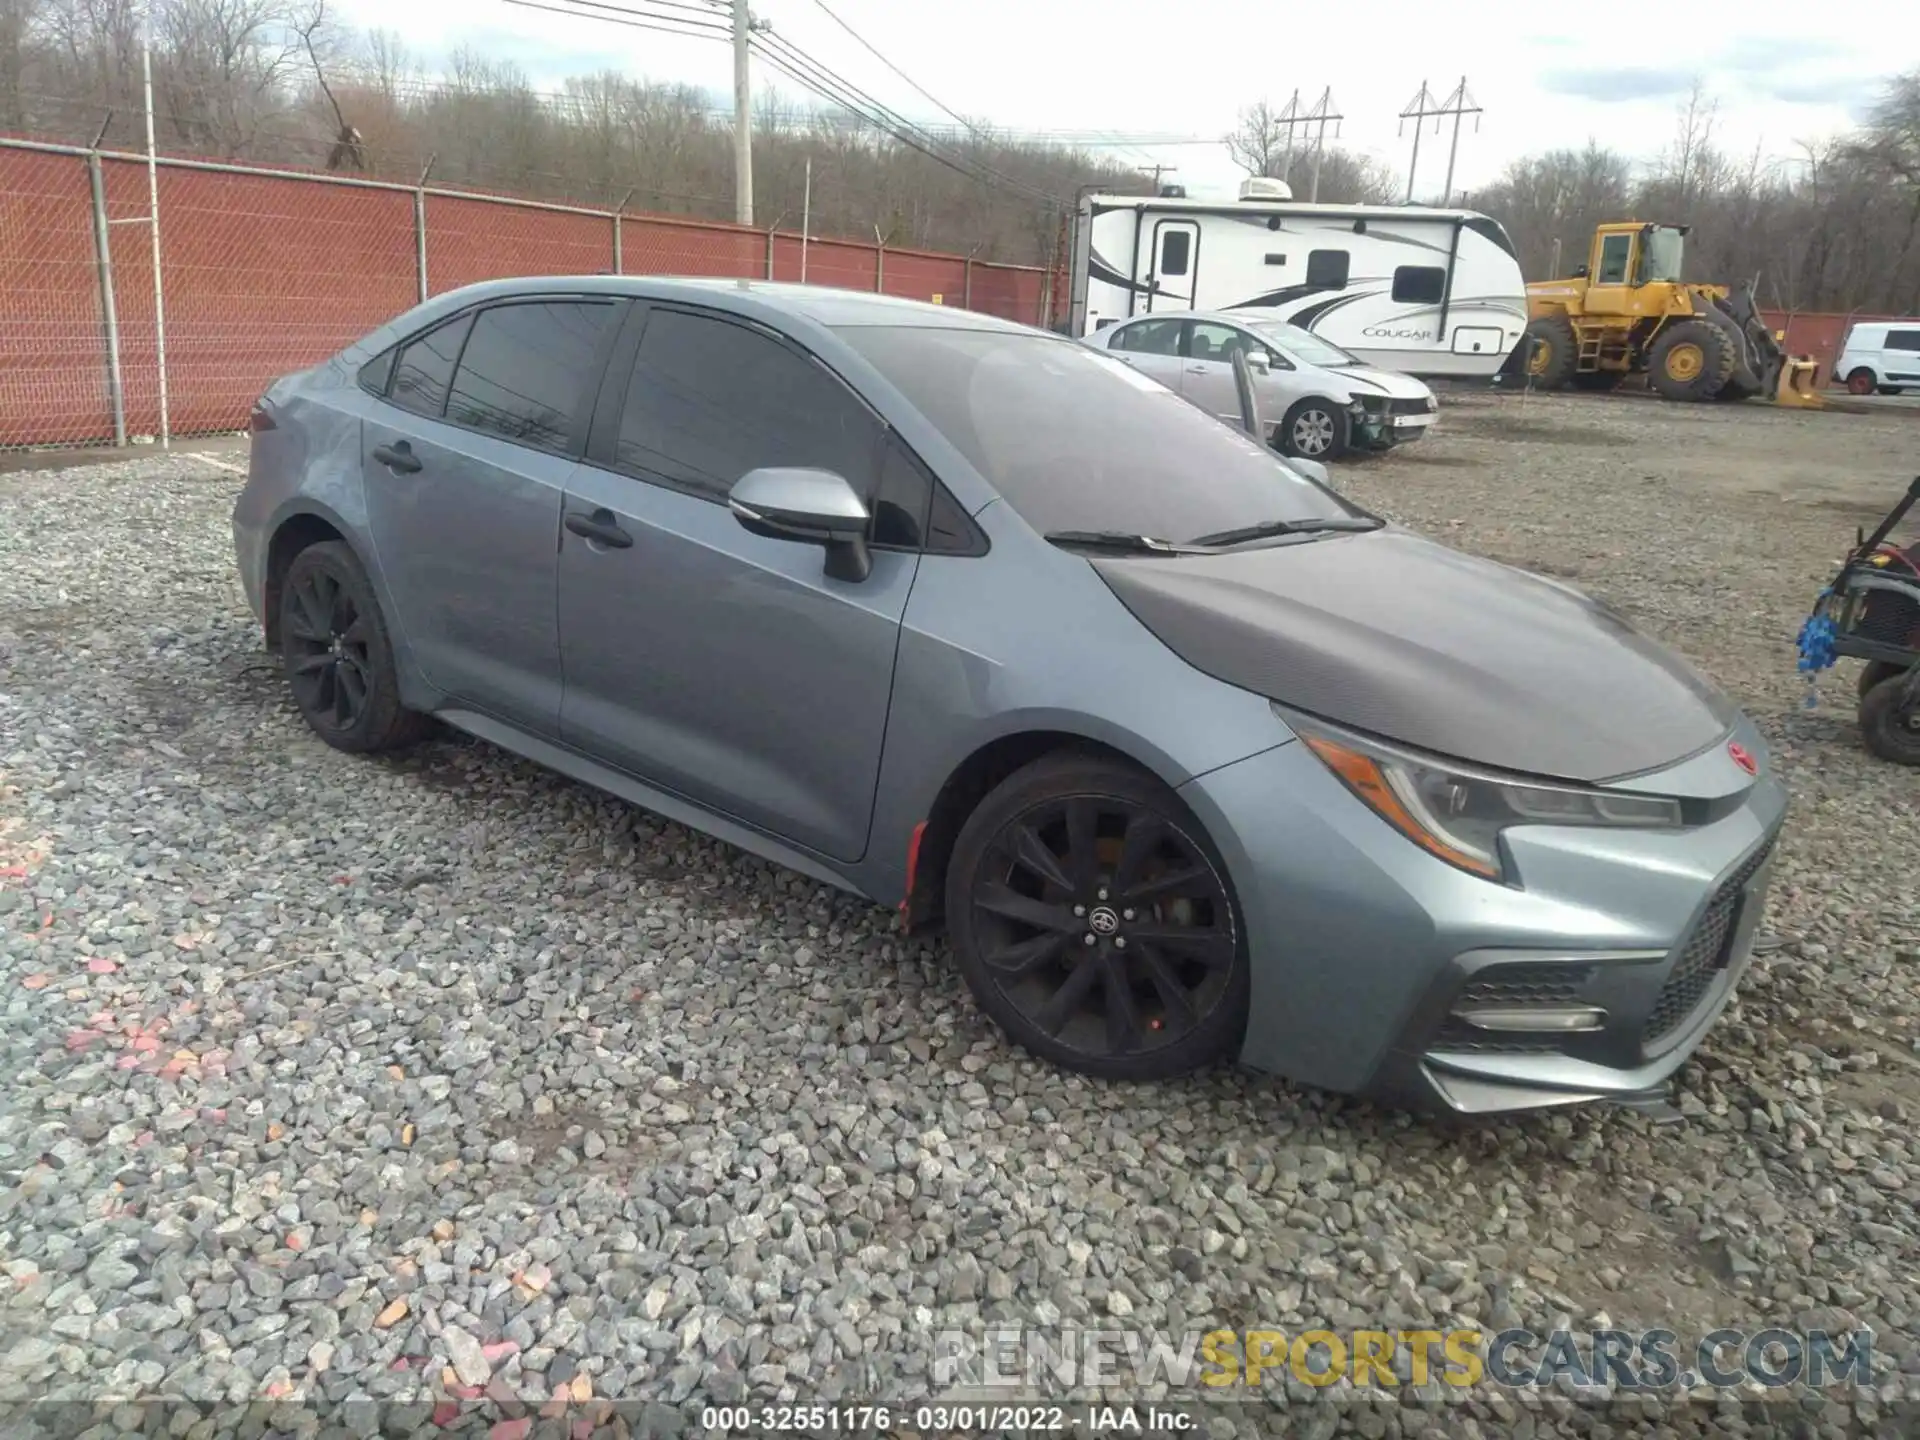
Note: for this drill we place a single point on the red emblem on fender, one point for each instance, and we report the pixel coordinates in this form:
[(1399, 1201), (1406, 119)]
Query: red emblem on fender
[(1743, 757)]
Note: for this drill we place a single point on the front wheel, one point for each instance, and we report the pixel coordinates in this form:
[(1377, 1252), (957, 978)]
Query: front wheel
[(1094, 922), (1890, 719), (1314, 429)]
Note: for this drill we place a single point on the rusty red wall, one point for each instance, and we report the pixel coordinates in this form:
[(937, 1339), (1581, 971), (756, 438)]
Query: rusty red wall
[(1818, 334), (268, 273)]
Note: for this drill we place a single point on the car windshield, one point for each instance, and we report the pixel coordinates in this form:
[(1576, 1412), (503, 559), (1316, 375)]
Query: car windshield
[(1075, 440), (1305, 346)]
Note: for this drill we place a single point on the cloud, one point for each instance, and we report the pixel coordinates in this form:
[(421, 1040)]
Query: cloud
[(1618, 84), (1834, 90), (1759, 55)]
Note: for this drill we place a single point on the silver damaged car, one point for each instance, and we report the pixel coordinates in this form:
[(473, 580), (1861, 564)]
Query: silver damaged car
[(1195, 759)]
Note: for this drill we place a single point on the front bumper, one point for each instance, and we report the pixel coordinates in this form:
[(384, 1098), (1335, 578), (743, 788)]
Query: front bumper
[(1368, 955)]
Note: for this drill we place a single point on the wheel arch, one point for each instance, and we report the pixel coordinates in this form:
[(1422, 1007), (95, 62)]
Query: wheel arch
[(293, 532), (970, 781)]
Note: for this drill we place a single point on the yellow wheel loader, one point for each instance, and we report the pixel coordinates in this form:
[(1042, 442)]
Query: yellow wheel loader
[(1627, 311)]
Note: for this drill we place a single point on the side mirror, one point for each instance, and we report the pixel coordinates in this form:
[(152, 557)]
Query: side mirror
[(1257, 362), (814, 507)]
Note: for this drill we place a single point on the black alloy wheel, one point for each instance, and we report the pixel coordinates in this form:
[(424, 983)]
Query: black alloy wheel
[(338, 659), (1096, 924)]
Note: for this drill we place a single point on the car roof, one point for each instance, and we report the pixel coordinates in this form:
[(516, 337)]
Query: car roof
[(823, 304)]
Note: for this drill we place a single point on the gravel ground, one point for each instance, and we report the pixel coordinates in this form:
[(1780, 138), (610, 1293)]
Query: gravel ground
[(338, 1078)]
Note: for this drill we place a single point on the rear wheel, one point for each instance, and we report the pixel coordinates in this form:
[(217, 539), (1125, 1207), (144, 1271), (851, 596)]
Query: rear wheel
[(1890, 720), (338, 659), (1094, 921), (1552, 352), (1691, 361), (1860, 382), (1314, 429)]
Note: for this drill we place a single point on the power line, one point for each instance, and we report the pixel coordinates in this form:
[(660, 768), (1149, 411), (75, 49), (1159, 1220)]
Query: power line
[(663, 24), (937, 104)]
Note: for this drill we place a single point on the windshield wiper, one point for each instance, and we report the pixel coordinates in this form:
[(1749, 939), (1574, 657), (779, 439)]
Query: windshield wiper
[(1117, 540), (1270, 529)]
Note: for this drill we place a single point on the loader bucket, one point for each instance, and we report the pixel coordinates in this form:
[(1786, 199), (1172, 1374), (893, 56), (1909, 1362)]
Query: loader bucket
[(1796, 385)]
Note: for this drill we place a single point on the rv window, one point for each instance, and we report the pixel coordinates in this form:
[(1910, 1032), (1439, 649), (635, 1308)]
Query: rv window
[(1149, 337), (1903, 339), (1327, 269), (1419, 284), (1274, 258), (1174, 249)]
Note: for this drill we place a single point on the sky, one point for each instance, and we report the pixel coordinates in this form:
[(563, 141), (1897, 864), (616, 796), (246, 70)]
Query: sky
[(1123, 70)]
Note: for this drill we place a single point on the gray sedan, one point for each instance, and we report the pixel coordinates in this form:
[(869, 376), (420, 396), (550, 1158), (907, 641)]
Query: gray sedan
[(1320, 400), (1194, 759)]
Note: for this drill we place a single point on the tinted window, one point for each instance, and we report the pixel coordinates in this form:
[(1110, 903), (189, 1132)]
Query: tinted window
[(526, 369), (425, 368), (1175, 248), (1903, 339), (710, 400), (1327, 269), (1149, 337), (1419, 284), (375, 374), (900, 499), (1076, 440)]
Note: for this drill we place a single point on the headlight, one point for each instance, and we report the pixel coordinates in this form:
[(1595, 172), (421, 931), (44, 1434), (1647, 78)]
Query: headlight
[(1457, 811)]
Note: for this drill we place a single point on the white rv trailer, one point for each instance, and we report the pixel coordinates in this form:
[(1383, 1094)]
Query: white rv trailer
[(1423, 291)]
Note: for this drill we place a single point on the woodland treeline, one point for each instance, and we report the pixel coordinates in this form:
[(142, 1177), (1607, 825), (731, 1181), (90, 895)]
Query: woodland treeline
[(1835, 226)]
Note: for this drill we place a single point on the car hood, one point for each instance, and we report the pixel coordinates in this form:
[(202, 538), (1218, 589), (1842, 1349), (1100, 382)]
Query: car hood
[(1394, 635), (1368, 381)]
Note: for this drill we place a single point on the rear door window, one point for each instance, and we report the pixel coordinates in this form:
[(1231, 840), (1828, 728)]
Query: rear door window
[(527, 368), (1903, 340), (424, 372), (1149, 337)]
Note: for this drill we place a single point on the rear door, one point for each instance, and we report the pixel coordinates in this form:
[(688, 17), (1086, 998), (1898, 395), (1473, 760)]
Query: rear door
[(1152, 347), (1176, 265), (1901, 358), (718, 664), (465, 469)]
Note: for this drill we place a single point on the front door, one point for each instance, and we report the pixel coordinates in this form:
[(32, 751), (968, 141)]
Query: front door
[(465, 467), (718, 664), (1176, 265)]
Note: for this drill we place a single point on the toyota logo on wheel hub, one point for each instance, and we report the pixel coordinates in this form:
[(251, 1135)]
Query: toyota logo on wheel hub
[(1103, 921)]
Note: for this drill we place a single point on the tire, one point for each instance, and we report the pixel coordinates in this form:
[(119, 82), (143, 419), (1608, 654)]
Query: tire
[(1053, 837), (1314, 422), (1598, 382), (1889, 389), (1861, 382), (1552, 352), (1744, 382), (1889, 723), (338, 657), (1691, 361)]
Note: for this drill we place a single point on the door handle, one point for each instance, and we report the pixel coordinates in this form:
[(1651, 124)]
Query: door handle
[(599, 527), (1196, 369), (399, 458)]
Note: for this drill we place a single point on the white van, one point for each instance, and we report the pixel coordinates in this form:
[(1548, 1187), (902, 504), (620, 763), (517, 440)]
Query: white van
[(1881, 355)]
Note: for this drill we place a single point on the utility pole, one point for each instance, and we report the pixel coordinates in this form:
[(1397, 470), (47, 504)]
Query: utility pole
[(1158, 170), (1459, 104), (1418, 108), (742, 116), (1322, 112), (1289, 117)]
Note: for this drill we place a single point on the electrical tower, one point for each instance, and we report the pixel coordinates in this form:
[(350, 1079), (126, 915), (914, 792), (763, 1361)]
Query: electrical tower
[(1321, 115), (1422, 107)]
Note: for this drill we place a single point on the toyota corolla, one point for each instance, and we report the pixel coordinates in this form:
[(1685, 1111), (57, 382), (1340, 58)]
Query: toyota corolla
[(1194, 758)]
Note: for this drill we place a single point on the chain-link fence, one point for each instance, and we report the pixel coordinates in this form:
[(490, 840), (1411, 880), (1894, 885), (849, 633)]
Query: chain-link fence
[(266, 271)]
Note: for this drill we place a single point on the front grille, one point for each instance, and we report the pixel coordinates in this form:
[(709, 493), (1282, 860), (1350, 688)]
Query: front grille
[(1889, 619), (1704, 955), (1518, 986), (1422, 406)]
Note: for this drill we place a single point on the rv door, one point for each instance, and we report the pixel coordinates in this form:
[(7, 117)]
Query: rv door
[(1176, 261)]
